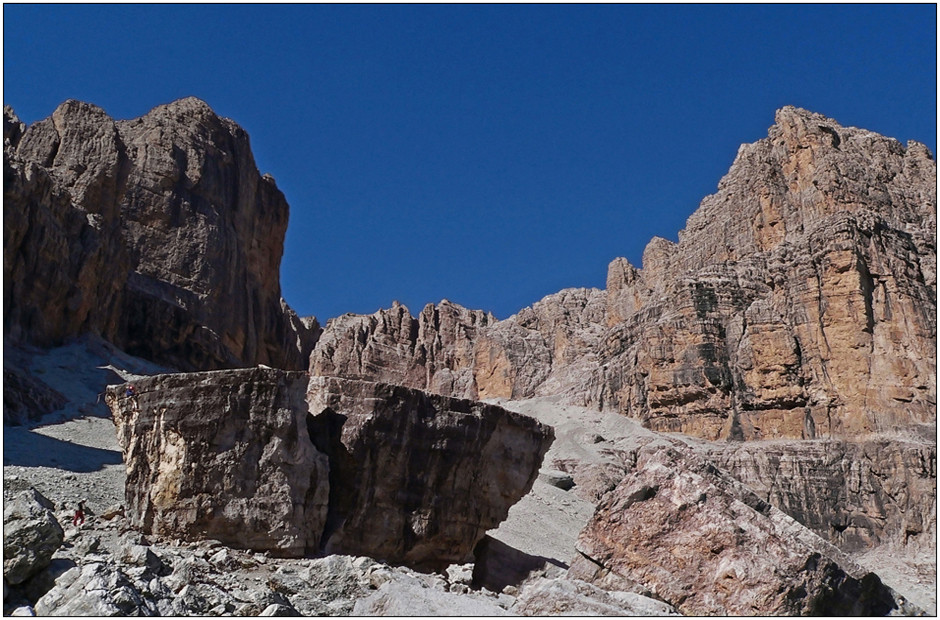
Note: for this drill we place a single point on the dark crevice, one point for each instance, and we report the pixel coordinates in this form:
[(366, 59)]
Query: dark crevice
[(326, 431)]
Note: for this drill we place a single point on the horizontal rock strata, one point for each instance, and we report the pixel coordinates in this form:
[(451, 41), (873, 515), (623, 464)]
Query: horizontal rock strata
[(273, 460), (856, 495), (799, 302), (699, 540)]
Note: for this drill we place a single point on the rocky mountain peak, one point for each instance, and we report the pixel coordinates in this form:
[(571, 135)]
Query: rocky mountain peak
[(799, 301), (167, 239)]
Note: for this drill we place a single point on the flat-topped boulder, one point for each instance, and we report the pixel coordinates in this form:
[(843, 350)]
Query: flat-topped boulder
[(278, 461), (223, 455)]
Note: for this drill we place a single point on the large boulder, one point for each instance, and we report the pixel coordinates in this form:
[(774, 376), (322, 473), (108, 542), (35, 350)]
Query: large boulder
[(272, 460), (223, 455), (701, 541), (95, 589), (31, 535), (419, 478)]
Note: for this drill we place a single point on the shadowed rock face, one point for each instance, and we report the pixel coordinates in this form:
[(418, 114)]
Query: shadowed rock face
[(701, 541), (157, 233), (799, 302), (420, 478), (271, 460)]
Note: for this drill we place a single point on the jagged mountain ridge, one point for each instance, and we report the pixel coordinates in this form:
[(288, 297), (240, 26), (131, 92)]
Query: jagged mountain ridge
[(799, 302)]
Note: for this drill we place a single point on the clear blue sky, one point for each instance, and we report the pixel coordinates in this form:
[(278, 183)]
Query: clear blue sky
[(487, 154)]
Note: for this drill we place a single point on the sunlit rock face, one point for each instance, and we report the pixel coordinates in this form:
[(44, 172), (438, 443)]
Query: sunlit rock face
[(223, 455), (157, 233), (799, 302)]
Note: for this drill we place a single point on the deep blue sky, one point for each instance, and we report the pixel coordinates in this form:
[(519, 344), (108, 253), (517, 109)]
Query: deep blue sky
[(487, 154)]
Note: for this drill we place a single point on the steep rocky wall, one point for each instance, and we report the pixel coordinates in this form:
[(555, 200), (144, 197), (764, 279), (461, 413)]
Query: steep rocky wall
[(433, 351), (274, 460), (157, 233), (63, 272), (799, 302)]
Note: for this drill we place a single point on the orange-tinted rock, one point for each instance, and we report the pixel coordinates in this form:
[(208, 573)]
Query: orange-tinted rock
[(799, 302)]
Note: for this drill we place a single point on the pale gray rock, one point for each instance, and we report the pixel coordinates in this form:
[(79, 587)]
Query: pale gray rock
[(95, 589), (25, 610), (573, 597), (556, 478), (279, 609), (31, 535), (406, 594)]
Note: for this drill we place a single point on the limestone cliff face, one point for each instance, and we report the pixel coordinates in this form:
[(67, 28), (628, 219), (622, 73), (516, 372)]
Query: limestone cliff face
[(855, 495), (799, 302), (433, 351), (157, 233)]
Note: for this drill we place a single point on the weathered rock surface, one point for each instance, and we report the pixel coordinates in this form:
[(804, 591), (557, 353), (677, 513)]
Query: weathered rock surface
[(223, 455), (26, 398), (799, 302), (31, 535), (433, 351), (157, 233), (856, 495), (418, 478), (96, 589), (563, 597), (260, 459), (701, 541)]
